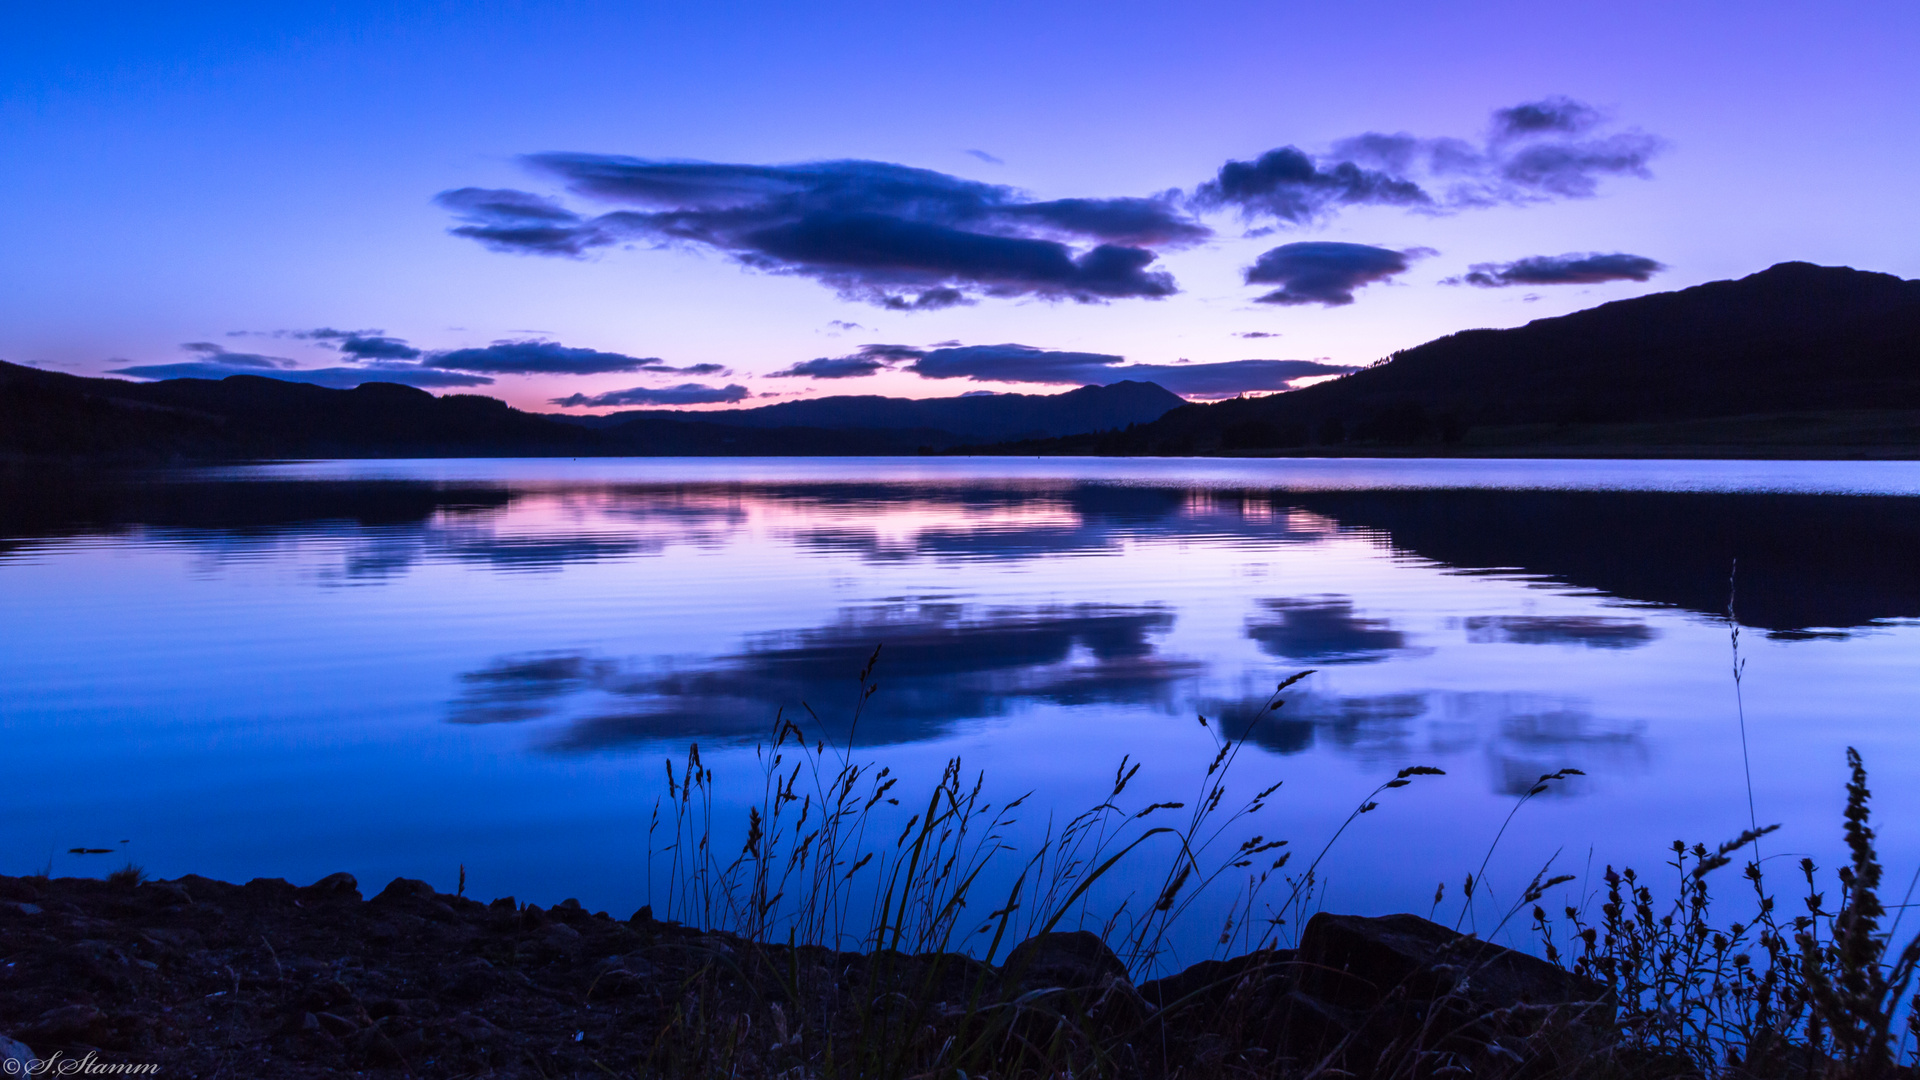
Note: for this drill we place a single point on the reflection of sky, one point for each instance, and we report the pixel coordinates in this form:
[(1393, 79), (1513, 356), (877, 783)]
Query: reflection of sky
[(516, 659)]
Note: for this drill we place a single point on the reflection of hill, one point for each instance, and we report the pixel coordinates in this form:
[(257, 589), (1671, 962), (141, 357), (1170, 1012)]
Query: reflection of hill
[(1805, 560), (57, 507)]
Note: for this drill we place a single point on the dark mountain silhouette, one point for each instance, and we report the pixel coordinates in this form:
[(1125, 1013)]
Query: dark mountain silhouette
[(1796, 355), (980, 418), (48, 415)]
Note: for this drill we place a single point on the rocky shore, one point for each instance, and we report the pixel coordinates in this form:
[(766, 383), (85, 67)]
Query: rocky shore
[(209, 979)]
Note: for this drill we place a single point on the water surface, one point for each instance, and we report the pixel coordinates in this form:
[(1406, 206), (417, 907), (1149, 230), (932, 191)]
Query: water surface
[(400, 668)]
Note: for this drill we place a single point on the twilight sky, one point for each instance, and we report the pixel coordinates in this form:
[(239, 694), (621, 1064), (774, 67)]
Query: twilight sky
[(581, 205)]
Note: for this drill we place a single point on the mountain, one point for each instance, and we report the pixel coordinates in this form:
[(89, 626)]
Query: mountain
[(1794, 357), (48, 415), (978, 418)]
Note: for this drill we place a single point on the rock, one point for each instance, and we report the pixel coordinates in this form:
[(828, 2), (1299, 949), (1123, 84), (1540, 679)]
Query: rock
[(1354, 962), (69, 1024), (335, 1024), (341, 885), (1076, 960), (164, 894), (558, 939), (400, 889), (471, 980), (1211, 984), (1402, 988), (15, 1058)]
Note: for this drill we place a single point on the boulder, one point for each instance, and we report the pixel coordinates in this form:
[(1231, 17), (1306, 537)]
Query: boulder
[(1381, 994), (15, 1058), (1075, 960)]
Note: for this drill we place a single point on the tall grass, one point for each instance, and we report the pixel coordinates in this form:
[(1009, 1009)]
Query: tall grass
[(815, 868), (824, 862)]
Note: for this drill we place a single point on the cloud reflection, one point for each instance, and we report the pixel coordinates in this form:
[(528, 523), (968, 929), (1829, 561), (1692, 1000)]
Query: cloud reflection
[(1592, 631), (1322, 630), (941, 663)]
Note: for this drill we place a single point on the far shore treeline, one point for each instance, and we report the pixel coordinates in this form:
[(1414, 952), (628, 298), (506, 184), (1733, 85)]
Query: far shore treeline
[(1796, 361)]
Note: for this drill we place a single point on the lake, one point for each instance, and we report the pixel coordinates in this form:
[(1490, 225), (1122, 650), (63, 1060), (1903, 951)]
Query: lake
[(402, 668)]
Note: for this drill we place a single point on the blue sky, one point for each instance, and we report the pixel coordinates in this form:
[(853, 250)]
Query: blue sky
[(235, 178)]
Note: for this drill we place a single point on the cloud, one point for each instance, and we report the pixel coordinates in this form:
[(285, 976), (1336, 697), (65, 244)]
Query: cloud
[(898, 237), (1256, 334), (1590, 268), (832, 367), (338, 378), (986, 157), (684, 394), (542, 358), (1230, 377), (1592, 631), (362, 347), (1288, 184), (945, 662), (1322, 630), (1015, 363), (1558, 115), (521, 223), (254, 362), (1026, 364), (1325, 272), (1534, 152)]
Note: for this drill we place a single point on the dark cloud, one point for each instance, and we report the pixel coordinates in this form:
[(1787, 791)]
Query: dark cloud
[(832, 367), (339, 378), (1324, 271), (1026, 364), (1015, 363), (684, 394), (521, 223), (1256, 334), (1590, 268), (1287, 184), (217, 363), (220, 354), (1535, 151), (362, 347), (927, 300), (1230, 377), (986, 157), (903, 238), (542, 358), (1322, 630), (1556, 115)]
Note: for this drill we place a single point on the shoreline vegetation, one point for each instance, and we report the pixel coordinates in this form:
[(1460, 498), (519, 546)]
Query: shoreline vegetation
[(819, 939)]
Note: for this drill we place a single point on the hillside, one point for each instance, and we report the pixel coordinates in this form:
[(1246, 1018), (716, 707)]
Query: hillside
[(1795, 357), (981, 418), (48, 415)]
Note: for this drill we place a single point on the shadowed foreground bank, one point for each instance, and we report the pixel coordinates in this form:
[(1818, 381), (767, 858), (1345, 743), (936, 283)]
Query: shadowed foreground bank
[(265, 979)]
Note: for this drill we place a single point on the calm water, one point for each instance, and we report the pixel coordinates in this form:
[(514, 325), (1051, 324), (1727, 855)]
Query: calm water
[(395, 668)]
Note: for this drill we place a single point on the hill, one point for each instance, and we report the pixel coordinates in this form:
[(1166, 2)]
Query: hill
[(48, 415), (978, 418), (1795, 358)]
